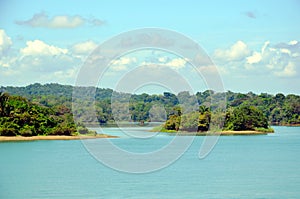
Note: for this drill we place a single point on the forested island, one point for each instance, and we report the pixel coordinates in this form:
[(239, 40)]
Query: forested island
[(46, 110)]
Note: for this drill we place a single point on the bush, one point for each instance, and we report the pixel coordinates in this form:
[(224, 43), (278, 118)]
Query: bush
[(266, 130), (62, 130), (4, 131), (82, 130)]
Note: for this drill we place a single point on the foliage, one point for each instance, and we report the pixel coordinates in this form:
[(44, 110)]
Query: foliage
[(193, 121), (173, 123), (21, 117), (245, 118), (279, 109)]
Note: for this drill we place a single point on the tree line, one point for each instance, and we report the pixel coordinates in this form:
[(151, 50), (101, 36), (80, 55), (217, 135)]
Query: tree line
[(278, 109)]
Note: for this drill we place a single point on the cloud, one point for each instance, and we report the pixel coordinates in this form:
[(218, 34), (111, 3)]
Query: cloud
[(176, 63), (236, 52), (58, 21), (38, 56), (250, 14), (293, 42), (38, 47), (97, 22), (84, 47), (5, 42), (122, 63), (288, 71), (38, 61), (254, 58), (280, 59)]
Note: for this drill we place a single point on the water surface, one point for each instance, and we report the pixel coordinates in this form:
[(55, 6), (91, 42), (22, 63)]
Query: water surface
[(265, 166)]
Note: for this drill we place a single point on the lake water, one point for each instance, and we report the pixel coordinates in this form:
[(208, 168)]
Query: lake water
[(266, 166)]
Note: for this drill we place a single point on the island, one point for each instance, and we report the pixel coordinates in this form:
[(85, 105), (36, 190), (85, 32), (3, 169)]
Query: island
[(243, 120)]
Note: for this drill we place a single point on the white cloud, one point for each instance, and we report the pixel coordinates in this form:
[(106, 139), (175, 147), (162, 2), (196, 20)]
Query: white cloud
[(66, 22), (84, 47), (122, 63), (236, 52), (279, 60), (255, 58), (38, 47), (5, 42), (293, 42), (40, 57), (288, 71), (266, 44), (58, 21), (176, 63), (284, 50)]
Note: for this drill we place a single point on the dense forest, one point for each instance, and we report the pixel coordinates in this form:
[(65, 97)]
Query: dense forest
[(18, 116), (270, 109)]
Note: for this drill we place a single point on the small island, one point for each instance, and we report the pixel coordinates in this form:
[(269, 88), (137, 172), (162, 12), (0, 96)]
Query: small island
[(243, 120)]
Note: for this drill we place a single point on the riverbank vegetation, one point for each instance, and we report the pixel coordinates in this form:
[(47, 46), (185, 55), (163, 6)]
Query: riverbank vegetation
[(52, 104), (18, 116)]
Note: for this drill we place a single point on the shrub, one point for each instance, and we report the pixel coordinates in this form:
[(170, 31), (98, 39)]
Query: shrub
[(5, 131)]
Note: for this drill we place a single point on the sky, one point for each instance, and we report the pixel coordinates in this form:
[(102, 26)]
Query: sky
[(254, 45)]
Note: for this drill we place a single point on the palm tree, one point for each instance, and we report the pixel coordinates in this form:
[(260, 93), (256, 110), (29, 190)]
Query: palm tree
[(203, 109)]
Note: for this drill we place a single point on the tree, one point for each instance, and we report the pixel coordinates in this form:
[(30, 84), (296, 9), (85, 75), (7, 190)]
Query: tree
[(204, 118), (3, 104), (245, 118), (173, 123), (190, 121)]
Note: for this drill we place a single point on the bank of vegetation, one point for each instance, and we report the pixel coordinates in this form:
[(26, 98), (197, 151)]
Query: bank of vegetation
[(51, 105), (20, 117)]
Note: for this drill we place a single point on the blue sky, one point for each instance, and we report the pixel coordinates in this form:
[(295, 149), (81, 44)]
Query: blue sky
[(254, 44)]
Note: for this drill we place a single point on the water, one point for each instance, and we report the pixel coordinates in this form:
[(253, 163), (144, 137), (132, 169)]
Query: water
[(238, 167)]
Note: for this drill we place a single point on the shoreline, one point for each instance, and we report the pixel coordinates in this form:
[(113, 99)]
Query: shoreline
[(221, 133), (53, 137)]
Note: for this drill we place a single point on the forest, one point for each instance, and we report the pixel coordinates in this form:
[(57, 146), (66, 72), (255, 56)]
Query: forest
[(18, 116), (55, 101)]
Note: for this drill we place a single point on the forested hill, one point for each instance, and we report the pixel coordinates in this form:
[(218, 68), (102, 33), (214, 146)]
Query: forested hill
[(279, 109)]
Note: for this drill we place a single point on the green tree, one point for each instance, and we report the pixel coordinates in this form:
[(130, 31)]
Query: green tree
[(204, 118), (245, 118)]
